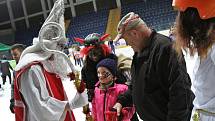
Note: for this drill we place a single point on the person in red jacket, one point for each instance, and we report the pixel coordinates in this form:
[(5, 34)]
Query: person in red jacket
[(106, 93)]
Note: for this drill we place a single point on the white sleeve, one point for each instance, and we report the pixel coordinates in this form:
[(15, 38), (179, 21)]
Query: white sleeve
[(80, 100), (76, 99), (41, 106)]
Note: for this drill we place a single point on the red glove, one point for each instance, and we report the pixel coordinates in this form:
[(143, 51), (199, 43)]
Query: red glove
[(81, 87), (111, 115)]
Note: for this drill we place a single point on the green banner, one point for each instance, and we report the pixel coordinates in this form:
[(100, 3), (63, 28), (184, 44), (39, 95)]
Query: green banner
[(4, 47)]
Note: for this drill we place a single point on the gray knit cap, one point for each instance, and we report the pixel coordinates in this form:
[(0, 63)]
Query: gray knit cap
[(129, 21)]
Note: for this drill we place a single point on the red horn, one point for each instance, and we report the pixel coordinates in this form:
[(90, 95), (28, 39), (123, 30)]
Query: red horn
[(81, 41), (104, 37)]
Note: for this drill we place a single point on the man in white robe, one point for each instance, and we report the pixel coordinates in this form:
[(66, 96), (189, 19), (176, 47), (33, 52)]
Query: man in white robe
[(39, 92)]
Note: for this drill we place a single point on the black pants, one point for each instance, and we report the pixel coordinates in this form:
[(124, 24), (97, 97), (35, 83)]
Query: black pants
[(4, 78)]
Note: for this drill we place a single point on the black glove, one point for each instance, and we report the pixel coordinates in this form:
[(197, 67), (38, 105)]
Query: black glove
[(12, 105)]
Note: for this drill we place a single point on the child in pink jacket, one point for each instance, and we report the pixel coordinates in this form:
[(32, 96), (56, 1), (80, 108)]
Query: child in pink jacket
[(106, 93)]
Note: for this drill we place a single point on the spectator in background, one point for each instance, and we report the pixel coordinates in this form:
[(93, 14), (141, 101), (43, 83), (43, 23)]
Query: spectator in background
[(111, 44), (77, 57), (5, 69), (196, 33), (172, 32), (16, 51)]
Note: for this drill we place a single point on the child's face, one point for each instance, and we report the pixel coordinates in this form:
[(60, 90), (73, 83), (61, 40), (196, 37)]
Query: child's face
[(104, 75)]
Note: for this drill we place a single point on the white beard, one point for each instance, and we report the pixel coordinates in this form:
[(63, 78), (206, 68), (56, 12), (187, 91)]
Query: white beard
[(58, 66)]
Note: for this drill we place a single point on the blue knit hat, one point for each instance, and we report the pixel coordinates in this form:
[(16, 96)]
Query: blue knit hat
[(110, 64)]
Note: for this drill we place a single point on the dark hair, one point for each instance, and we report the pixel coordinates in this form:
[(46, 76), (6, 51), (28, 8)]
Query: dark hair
[(20, 47), (88, 62), (193, 32)]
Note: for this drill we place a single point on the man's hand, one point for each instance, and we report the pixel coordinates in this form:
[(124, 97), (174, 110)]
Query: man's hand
[(118, 108)]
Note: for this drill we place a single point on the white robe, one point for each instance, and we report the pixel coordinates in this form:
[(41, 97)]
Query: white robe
[(41, 106), (204, 81)]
